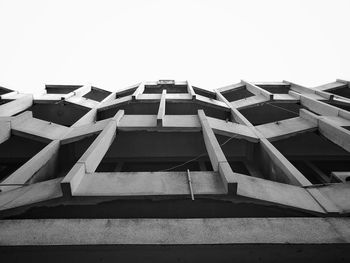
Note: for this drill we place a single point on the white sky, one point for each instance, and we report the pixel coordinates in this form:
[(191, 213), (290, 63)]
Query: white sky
[(113, 44)]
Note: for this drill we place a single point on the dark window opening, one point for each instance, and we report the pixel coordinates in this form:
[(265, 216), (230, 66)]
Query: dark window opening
[(59, 112), (343, 91), (154, 165), (237, 94), (124, 93), (162, 208), (191, 108), (341, 105), (3, 101), (142, 151), (130, 108), (239, 167), (276, 89), (4, 90), (15, 152), (69, 154), (314, 156), (309, 171), (333, 166), (61, 163), (240, 155), (97, 94), (311, 145), (61, 89), (171, 108), (205, 93), (159, 166), (271, 112), (170, 88)]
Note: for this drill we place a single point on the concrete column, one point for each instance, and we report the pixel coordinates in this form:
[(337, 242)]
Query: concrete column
[(161, 110)]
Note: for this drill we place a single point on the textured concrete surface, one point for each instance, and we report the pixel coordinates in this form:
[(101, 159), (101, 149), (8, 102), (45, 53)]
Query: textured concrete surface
[(174, 231), (71, 108), (149, 183), (30, 194), (281, 129), (279, 193)]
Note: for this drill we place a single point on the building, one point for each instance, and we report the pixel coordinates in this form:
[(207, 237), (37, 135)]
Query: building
[(165, 171)]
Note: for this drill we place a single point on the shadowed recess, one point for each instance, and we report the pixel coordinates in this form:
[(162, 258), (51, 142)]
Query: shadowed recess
[(11, 158), (60, 112), (271, 112), (237, 94), (140, 151), (314, 155)]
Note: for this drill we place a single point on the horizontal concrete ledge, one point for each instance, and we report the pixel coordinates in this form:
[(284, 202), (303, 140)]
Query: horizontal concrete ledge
[(285, 128), (149, 184), (174, 231), (31, 194)]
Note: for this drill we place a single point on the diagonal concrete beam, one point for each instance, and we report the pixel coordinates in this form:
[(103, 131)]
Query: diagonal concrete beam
[(140, 89), (236, 115), (72, 180), (88, 118), (94, 154), (276, 158), (35, 127), (77, 133), (330, 86), (249, 102), (114, 103), (30, 168), (330, 128), (9, 95), (230, 87), (78, 92), (286, 195), (216, 155), (305, 90), (30, 194), (230, 129), (190, 90), (336, 134), (15, 106), (90, 160), (291, 173), (257, 90)]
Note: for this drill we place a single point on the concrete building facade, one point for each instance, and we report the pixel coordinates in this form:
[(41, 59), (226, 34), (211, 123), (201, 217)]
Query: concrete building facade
[(166, 171)]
